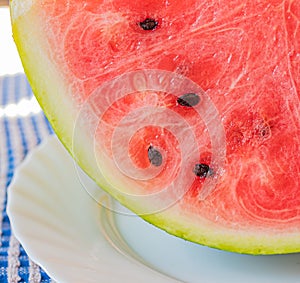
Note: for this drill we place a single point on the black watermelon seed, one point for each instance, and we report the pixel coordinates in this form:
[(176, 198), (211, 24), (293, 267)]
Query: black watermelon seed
[(148, 24), (202, 170), (188, 99), (154, 156)]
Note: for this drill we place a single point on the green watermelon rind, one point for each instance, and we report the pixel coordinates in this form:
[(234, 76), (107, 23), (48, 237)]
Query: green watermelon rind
[(50, 89)]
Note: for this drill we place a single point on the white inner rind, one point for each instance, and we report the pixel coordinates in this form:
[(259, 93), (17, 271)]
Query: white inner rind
[(19, 8)]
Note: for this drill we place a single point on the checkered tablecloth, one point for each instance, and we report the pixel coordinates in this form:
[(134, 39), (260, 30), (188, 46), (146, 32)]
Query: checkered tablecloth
[(21, 129)]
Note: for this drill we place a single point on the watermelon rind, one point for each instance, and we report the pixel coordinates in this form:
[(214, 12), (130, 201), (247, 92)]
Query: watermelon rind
[(53, 94)]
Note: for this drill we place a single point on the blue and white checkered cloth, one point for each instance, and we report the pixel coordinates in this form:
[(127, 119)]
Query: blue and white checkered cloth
[(20, 131)]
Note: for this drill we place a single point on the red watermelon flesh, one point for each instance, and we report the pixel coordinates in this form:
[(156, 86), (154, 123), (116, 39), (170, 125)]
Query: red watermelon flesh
[(242, 57)]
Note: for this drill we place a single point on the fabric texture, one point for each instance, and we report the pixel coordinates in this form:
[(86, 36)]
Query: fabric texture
[(22, 127)]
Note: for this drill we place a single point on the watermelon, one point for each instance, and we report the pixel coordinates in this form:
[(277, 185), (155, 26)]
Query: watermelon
[(186, 112)]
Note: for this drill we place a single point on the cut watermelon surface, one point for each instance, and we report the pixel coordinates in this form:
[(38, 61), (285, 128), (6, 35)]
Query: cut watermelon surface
[(187, 112)]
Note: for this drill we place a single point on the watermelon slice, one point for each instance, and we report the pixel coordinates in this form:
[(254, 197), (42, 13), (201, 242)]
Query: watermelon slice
[(187, 112)]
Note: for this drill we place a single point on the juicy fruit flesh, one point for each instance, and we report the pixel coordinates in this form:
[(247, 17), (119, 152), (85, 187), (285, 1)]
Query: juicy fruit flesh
[(245, 55), (255, 59)]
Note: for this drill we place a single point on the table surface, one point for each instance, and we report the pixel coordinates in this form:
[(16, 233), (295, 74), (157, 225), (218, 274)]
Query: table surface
[(4, 2), (20, 132)]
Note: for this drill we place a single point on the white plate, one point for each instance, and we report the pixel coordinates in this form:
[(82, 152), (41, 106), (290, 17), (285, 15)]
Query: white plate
[(76, 240)]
